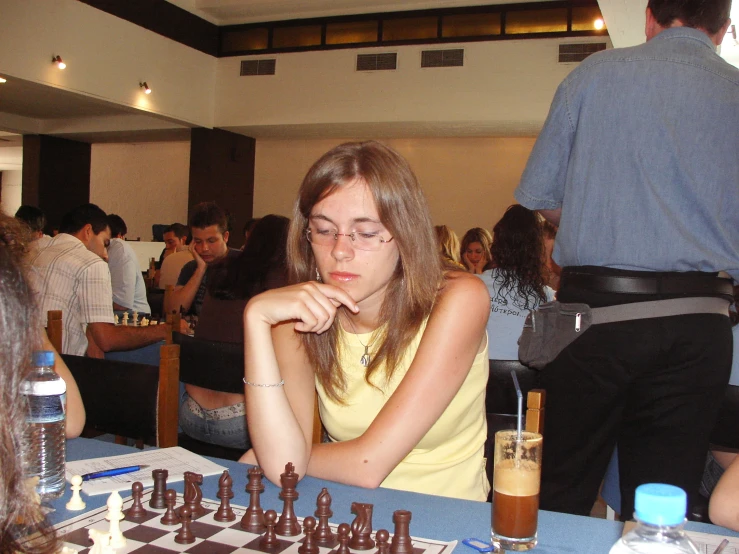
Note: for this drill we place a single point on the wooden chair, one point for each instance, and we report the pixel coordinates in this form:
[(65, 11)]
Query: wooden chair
[(130, 400), (54, 328), (218, 366)]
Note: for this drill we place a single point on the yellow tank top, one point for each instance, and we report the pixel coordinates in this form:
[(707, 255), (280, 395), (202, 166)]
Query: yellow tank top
[(449, 459)]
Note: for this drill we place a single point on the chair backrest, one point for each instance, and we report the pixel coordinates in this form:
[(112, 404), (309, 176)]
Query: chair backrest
[(211, 364), (131, 400), (54, 328)]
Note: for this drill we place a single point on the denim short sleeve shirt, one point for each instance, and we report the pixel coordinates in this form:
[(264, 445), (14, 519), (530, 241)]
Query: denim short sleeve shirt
[(641, 152)]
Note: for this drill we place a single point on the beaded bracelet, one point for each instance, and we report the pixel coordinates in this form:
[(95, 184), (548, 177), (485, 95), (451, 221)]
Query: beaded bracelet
[(263, 384)]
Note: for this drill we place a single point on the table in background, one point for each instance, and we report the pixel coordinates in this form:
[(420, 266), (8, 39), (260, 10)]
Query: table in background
[(434, 517)]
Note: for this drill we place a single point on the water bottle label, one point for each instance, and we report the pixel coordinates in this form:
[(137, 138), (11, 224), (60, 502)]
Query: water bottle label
[(46, 409), (43, 388)]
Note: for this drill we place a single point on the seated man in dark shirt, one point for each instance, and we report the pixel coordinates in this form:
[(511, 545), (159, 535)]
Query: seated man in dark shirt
[(209, 228)]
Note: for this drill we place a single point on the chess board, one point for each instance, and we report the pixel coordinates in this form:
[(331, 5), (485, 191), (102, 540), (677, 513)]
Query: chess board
[(213, 537)]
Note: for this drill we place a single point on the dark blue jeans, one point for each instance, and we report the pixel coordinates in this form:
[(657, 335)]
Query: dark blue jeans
[(653, 386)]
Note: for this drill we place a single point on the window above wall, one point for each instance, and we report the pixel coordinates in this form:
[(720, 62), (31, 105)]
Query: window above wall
[(566, 18)]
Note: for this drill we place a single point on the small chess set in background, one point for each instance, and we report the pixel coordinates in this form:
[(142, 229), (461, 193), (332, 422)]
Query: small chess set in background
[(161, 521), (134, 321)]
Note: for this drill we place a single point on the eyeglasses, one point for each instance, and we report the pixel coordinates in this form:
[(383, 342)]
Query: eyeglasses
[(360, 241)]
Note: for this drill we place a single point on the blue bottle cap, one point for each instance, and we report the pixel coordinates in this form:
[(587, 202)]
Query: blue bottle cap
[(660, 504), (43, 358)]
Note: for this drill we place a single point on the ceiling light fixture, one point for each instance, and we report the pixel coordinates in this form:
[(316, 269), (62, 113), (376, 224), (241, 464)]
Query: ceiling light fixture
[(599, 24), (146, 88), (3, 80), (58, 61)]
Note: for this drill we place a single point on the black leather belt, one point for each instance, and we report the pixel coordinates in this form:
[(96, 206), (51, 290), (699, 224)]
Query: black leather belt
[(660, 283)]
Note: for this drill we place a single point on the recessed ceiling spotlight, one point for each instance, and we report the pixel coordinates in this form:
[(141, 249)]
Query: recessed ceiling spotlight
[(3, 80), (146, 88), (58, 61), (599, 24)]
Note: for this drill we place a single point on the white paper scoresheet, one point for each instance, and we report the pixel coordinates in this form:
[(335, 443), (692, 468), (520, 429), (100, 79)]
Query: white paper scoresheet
[(175, 460)]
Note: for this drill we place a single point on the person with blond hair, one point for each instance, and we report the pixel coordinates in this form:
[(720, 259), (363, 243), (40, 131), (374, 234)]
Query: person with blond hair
[(475, 250), (393, 346), (448, 244)]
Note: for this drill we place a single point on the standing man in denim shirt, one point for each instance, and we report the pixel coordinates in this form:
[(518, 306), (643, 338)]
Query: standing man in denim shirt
[(638, 164)]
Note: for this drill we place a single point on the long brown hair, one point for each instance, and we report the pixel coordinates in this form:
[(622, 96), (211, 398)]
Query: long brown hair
[(403, 211), (19, 335)]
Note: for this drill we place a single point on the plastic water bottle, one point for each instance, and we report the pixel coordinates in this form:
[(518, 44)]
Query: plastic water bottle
[(660, 515), (44, 441)]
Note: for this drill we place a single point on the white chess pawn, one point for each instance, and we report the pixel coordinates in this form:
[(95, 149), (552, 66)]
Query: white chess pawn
[(76, 503), (115, 515)]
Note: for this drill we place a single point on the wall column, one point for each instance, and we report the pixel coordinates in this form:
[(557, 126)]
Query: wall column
[(222, 170), (56, 175)]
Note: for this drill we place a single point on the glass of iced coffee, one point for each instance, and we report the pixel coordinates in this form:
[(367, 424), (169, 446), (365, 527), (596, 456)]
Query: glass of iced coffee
[(516, 478)]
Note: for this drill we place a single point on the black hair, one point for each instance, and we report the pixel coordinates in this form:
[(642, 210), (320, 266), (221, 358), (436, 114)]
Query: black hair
[(180, 231), (709, 15), (32, 216), (264, 256), (518, 255), (206, 214), (117, 226), (80, 216)]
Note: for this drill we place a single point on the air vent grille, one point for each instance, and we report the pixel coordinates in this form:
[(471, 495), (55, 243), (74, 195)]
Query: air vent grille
[(377, 62), (258, 67), (569, 53), (442, 58)]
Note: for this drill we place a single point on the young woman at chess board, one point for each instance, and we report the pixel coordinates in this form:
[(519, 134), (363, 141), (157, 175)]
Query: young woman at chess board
[(370, 289)]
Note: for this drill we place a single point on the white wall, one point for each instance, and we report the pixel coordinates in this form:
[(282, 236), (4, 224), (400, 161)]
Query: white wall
[(144, 183), (468, 182), (11, 193), (106, 58)]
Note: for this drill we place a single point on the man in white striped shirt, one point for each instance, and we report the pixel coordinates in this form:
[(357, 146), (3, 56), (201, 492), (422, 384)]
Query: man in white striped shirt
[(71, 275)]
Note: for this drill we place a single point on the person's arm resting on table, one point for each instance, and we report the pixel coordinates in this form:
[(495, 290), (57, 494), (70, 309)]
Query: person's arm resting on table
[(186, 290), (723, 508), (453, 337), (75, 409)]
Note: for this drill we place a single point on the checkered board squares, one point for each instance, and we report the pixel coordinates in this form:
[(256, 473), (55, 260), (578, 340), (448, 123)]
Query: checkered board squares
[(212, 537)]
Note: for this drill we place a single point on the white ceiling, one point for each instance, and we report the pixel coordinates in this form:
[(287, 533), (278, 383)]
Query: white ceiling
[(232, 12)]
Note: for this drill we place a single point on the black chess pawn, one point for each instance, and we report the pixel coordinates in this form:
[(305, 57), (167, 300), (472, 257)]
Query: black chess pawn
[(170, 516), (269, 540), (225, 493), (160, 487), (382, 537), (185, 534), (323, 535), (137, 512), (309, 545), (343, 533)]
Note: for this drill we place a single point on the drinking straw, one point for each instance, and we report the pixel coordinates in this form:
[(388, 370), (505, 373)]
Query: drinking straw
[(519, 394)]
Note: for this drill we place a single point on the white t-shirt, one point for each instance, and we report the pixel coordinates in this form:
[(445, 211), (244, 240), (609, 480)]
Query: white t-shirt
[(506, 318), (129, 289)]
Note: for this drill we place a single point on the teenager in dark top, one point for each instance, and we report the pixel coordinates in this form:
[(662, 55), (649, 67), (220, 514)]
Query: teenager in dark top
[(219, 417)]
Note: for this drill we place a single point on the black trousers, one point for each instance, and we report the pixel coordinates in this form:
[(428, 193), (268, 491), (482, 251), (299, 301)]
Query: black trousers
[(654, 386)]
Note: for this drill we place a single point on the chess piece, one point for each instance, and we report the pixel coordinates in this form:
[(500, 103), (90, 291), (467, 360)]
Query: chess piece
[(115, 515), (323, 535), (137, 512), (382, 537), (225, 493), (185, 535), (135, 318), (160, 487), (343, 532), (76, 503), (100, 542), (362, 527), (269, 540), (170, 516), (309, 545), (402, 537), (116, 319), (125, 318), (288, 525), (253, 520), (193, 494)]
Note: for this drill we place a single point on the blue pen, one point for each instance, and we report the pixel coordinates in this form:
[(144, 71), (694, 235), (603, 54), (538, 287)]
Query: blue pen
[(112, 472)]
